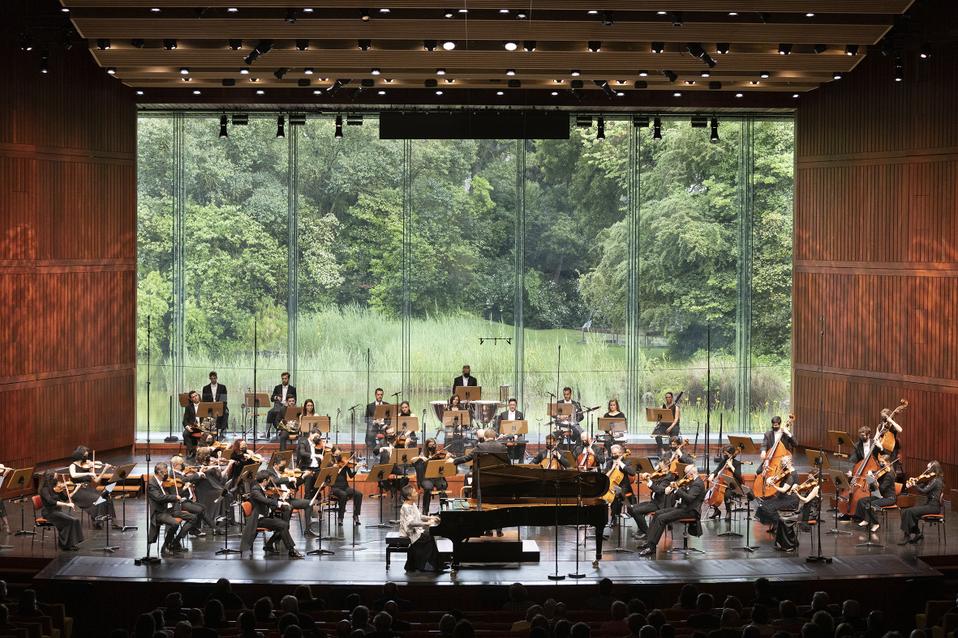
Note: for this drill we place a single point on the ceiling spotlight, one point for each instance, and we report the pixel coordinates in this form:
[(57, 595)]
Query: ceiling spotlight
[(291, 16), (643, 74), (44, 63), (925, 51), (429, 45), (184, 70), (448, 13), (381, 92), (384, 10), (510, 72), (521, 16), (764, 75), (449, 80), (677, 94), (784, 48), (529, 45), (197, 92), (235, 45), (187, 79), (500, 93), (689, 82), (661, 13), (244, 71), (503, 11), (657, 128), (438, 91), (364, 45), (600, 129), (280, 73), (899, 70), (339, 126), (733, 13), (809, 15), (657, 47), (223, 131), (139, 92), (836, 75), (448, 45), (308, 70), (510, 45), (739, 95), (795, 95), (554, 93), (111, 70), (440, 71), (671, 75), (607, 18), (593, 12), (851, 49), (307, 9), (595, 46), (137, 43), (231, 9), (260, 92), (102, 44), (280, 126), (302, 45), (722, 48), (575, 73), (374, 71), (364, 15), (317, 91), (168, 43), (820, 48), (705, 74), (713, 134)]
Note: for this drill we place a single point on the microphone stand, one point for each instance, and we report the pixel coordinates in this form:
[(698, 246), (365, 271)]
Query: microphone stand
[(578, 511), (255, 399), (148, 559), (557, 576), (820, 558)]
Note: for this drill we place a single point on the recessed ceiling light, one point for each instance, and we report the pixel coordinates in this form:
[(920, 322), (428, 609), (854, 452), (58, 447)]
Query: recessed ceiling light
[(510, 46), (439, 92), (260, 92), (554, 93), (503, 11), (836, 76), (739, 94), (65, 9), (384, 10), (510, 72), (794, 94), (244, 71), (381, 92), (152, 9), (184, 70), (196, 92), (620, 93), (308, 71), (764, 75), (448, 45), (575, 73), (388, 80), (809, 15), (499, 93), (317, 91), (661, 13), (374, 71), (558, 81), (706, 74), (449, 80), (307, 9), (733, 13), (139, 92), (643, 74), (440, 71), (593, 12), (677, 94), (520, 16), (448, 13), (231, 9), (187, 79), (111, 70), (464, 10)]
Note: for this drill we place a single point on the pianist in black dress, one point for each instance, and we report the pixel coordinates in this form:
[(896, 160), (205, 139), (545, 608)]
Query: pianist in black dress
[(423, 555)]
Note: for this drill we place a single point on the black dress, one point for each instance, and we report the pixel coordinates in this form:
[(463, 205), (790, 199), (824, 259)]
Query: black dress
[(423, 555), (87, 496), (69, 531)]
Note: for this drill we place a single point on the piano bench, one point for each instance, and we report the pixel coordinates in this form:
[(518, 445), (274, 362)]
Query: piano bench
[(395, 542)]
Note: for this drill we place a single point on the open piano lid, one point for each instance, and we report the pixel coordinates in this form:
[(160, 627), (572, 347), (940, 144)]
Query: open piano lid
[(521, 483)]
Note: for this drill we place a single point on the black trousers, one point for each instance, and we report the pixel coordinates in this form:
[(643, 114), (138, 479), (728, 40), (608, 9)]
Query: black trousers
[(640, 511), (284, 440), (302, 505), (910, 516), (662, 437), (423, 555), (189, 442), (428, 485), (196, 509), (342, 496), (69, 529), (864, 511), (662, 519), (168, 520), (768, 511)]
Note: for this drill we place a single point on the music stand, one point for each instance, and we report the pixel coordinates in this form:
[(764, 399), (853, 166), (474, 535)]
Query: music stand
[(255, 401), (612, 425), (184, 399), (739, 489), (385, 412), (744, 444), (248, 473), (468, 393), (324, 479), (838, 439), (840, 481), (456, 419), (407, 424), (16, 489), (277, 456), (292, 413), (379, 473), (121, 474), (320, 423), (813, 456), (654, 415), (209, 409), (403, 456), (104, 496), (437, 469), (513, 428)]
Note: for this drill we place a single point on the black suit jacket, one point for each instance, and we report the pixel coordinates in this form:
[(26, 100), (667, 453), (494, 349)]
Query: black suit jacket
[(769, 441), (692, 496), (459, 381), (504, 416), (160, 498), (207, 393), (278, 391), (492, 448), (303, 456), (262, 504), (189, 414)]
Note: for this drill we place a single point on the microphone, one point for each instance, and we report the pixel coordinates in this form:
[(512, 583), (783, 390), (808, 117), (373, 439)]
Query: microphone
[(395, 394), (550, 394), (355, 406)]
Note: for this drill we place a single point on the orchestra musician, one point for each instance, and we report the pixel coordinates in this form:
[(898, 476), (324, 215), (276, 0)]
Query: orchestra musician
[(883, 493), (4, 521), (689, 492), (57, 499), (588, 456), (406, 411), (263, 507), (423, 555), (241, 455), (888, 425), (569, 425), (613, 412), (931, 485), (215, 391), (623, 491), (656, 483), (211, 488), (309, 452), (288, 483), (784, 497), (373, 426), (188, 492), (511, 413), (729, 462), (162, 500), (486, 445), (342, 491), (83, 470), (283, 434), (808, 494), (549, 456), (665, 430), (778, 434), (863, 448), (454, 403), (191, 423), (465, 379), (309, 408), (430, 452), (281, 394)]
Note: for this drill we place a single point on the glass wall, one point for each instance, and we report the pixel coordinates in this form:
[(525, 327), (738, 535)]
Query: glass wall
[(620, 265)]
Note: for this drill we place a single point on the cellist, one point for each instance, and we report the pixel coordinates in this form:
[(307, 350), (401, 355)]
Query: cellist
[(882, 487), (549, 457), (588, 456), (623, 490), (733, 465), (784, 497), (778, 442)]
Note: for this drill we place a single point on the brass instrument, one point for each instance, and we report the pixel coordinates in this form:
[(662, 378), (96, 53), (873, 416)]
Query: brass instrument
[(290, 427)]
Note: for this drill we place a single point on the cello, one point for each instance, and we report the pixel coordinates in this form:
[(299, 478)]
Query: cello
[(715, 495), (616, 476), (772, 464)]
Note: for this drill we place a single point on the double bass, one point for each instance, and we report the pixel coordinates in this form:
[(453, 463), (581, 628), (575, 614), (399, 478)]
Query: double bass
[(772, 464), (858, 485), (884, 437)]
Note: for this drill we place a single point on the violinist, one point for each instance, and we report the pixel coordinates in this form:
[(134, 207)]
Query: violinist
[(186, 484), (668, 428), (678, 457), (288, 483), (406, 411), (808, 494), (657, 482), (263, 506), (778, 434), (191, 423), (163, 499), (729, 464), (882, 482), (512, 413), (83, 471), (931, 485), (241, 455), (398, 478), (623, 491), (342, 491), (588, 457), (549, 456), (309, 452), (613, 412), (210, 489), (430, 452), (783, 498), (57, 499), (689, 492)]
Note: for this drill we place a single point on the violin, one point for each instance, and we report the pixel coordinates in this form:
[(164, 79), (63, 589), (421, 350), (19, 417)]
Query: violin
[(64, 486), (777, 477), (252, 457), (808, 485), (174, 482), (344, 462), (921, 478), (682, 482)]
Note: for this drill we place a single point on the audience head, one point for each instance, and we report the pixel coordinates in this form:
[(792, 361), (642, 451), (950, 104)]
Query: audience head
[(635, 622), (343, 629), (518, 593), (28, 601), (648, 631), (704, 602), (845, 630), (353, 601), (145, 626), (580, 630), (619, 610), (182, 629), (875, 621), (540, 621), (292, 631), (360, 617), (730, 618), (851, 609), (159, 618), (819, 601), (173, 601), (687, 596), (811, 630), (759, 615), (917, 633), (732, 602), (382, 622), (824, 621), (637, 606), (562, 629), (289, 603), (667, 631), (446, 624), (787, 609), (656, 618), (532, 611), (213, 613), (539, 631), (751, 631), (463, 629), (605, 586), (263, 609), (762, 587), (247, 621), (391, 607)]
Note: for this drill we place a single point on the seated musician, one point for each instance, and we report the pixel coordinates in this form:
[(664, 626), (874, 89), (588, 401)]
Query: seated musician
[(430, 452), (342, 491), (569, 425), (281, 394), (263, 506), (808, 494), (688, 498), (309, 452), (588, 456), (373, 425), (665, 430), (163, 500), (677, 454), (511, 413), (83, 473), (309, 408), (57, 505), (215, 391), (398, 478), (423, 555), (729, 462), (406, 411), (455, 403), (613, 412), (885, 486), (279, 478), (623, 491), (4, 521), (657, 483), (284, 435), (241, 455), (931, 485), (191, 424), (465, 379), (188, 491), (783, 499), (549, 456)]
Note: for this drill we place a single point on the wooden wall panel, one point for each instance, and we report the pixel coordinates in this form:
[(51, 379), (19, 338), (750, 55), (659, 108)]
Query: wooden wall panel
[(67, 250), (876, 251)]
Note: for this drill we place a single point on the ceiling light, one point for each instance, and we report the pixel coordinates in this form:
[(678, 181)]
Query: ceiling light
[(231, 9), (722, 48), (764, 75), (280, 126), (381, 92), (223, 131), (187, 79), (925, 51), (657, 128), (440, 71), (620, 93), (429, 45), (184, 70), (593, 12), (899, 70), (520, 16), (657, 47), (438, 91), (739, 94), (503, 11), (836, 75), (302, 45), (554, 93), (111, 70), (449, 80), (784, 48), (102, 44), (643, 74), (169, 44), (510, 72), (152, 9), (139, 92), (820, 48), (794, 94), (575, 73), (374, 71), (558, 81), (851, 49), (260, 92), (196, 92), (384, 10), (364, 15), (244, 71), (689, 82), (364, 44), (500, 93), (290, 16), (307, 9), (388, 80), (529, 45), (317, 91), (809, 15), (308, 70), (733, 13), (661, 13), (753, 82), (447, 13), (677, 94), (448, 45), (705, 74), (234, 44), (44, 63), (595, 46)]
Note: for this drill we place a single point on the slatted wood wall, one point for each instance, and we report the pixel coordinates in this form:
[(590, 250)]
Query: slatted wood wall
[(67, 250), (876, 252)]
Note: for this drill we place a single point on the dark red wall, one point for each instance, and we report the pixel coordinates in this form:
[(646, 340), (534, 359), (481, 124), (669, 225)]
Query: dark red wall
[(67, 247), (876, 249)]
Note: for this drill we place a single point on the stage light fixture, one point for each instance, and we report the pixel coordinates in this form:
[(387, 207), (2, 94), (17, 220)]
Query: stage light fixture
[(374, 71), (280, 126), (575, 73), (223, 131), (837, 75), (429, 45), (722, 48), (44, 63), (184, 70), (448, 13), (169, 43), (510, 45), (280, 73), (677, 18), (765, 74), (784, 48), (713, 134), (925, 51), (600, 129), (364, 15), (440, 72), (308, 70), (851, 49), (595, 46), (111, 70), (139, 92), (820, 48), (448, 45), (260, 92), (102, 44), (529, 46), (657, 47), (244, 71), (438, 91), (291, 16), (197, 92), (899, 70), (500, 93), (657, 128), (339, 126), (364, 44), (705, 74), (137, 43), (510, 72), (302, 44)]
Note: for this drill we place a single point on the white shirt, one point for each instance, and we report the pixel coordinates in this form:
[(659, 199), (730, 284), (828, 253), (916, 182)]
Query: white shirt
[(314, 460), (285, 389), (510, 416), (213, 387), (409, 514)]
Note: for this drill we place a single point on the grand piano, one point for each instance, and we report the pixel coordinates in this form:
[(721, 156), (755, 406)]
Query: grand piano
[(528, 496)]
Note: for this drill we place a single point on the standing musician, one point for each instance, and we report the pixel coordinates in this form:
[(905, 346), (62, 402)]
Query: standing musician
[(863, 448), (342, 491), (263, 506), (4, 521), (284, 434), (784, 497), (549, 457), (191, 423), (211, 488), (57, 497), (287, 483), (689, 492), (613, 412), (729, 464), (930, 484), (569, 425), (588, 456), (163, 499), (665, 430), (882, 482), (373, 426), (83, 471), (511, 413), (281, 393), (657, 483), (778, 434), (215, 391), (430, 452), (188, 491), (465, 379), (623, 491)]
